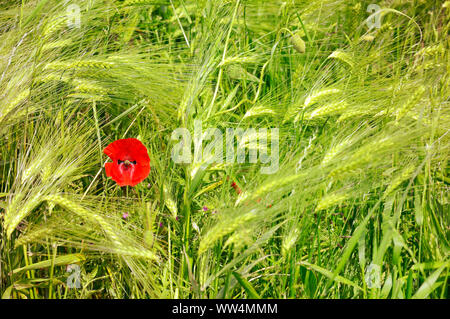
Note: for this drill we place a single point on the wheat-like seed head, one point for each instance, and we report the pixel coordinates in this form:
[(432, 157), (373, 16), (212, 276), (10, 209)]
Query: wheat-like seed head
[(430, 51), (404, 174), (336, 149), (10, 106), (137, 2), (84, 86), (56, 44), (289, 241), (259, 110), (84, 64), (223, 229), (33, 236), (405, 108), (385, 27), (240, 238), (327, 110), (118, 246), (53, 26), (319, 95), (18, 209), (331, 200), (342, 56), (238, 60)]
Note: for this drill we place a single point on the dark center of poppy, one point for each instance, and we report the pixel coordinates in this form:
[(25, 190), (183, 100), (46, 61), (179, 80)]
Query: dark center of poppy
[(127, 163)]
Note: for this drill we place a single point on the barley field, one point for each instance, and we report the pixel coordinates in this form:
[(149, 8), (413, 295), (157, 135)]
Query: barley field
[(347, 199)]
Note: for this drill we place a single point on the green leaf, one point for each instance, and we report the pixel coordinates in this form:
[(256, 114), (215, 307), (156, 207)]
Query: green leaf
[(330, 275), (7, 293), (409, 284), (387, 287), (430, 265), (35, 12), (429, 285), (351, 244), (251, 292), (58, 261)]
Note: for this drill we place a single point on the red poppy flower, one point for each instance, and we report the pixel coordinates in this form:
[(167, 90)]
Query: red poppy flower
[(130, 161)]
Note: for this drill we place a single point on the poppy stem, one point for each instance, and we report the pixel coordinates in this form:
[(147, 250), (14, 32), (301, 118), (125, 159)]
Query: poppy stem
[(124, 190)]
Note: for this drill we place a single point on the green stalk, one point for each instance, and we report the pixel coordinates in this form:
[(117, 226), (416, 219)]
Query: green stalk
[(29, 274), (187, 224), (219, 78), (52, 269)]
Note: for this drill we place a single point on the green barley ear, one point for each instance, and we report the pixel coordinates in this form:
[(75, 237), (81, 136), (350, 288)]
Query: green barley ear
[(240, 238), (355, 16), (81, 64), (6, 109), (33, 236), (429, 65), (52, 77), (385, 28), (53, 25), (358, 111), (269, 186), (118, 246), (332, 200), (18, 209), (84, 86), (404, 175), (299, 72), (367, 37), (343, 57), (430, 51), (294, 112), (46, 166), (239, 60), (224, 228), (327, 110), (289, 241), (37, 164), (237, 72), (137, 2), (56, 44), (405, 108), (335, 150), (298, 43), (319, 95), (259, 110)]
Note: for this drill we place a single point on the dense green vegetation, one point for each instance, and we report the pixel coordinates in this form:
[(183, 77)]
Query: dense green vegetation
[(359, 207)]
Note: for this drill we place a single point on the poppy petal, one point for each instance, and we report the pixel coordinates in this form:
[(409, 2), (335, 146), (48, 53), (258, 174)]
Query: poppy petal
[(128, 148), (112, 171), (131, 150), (139, 174)]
